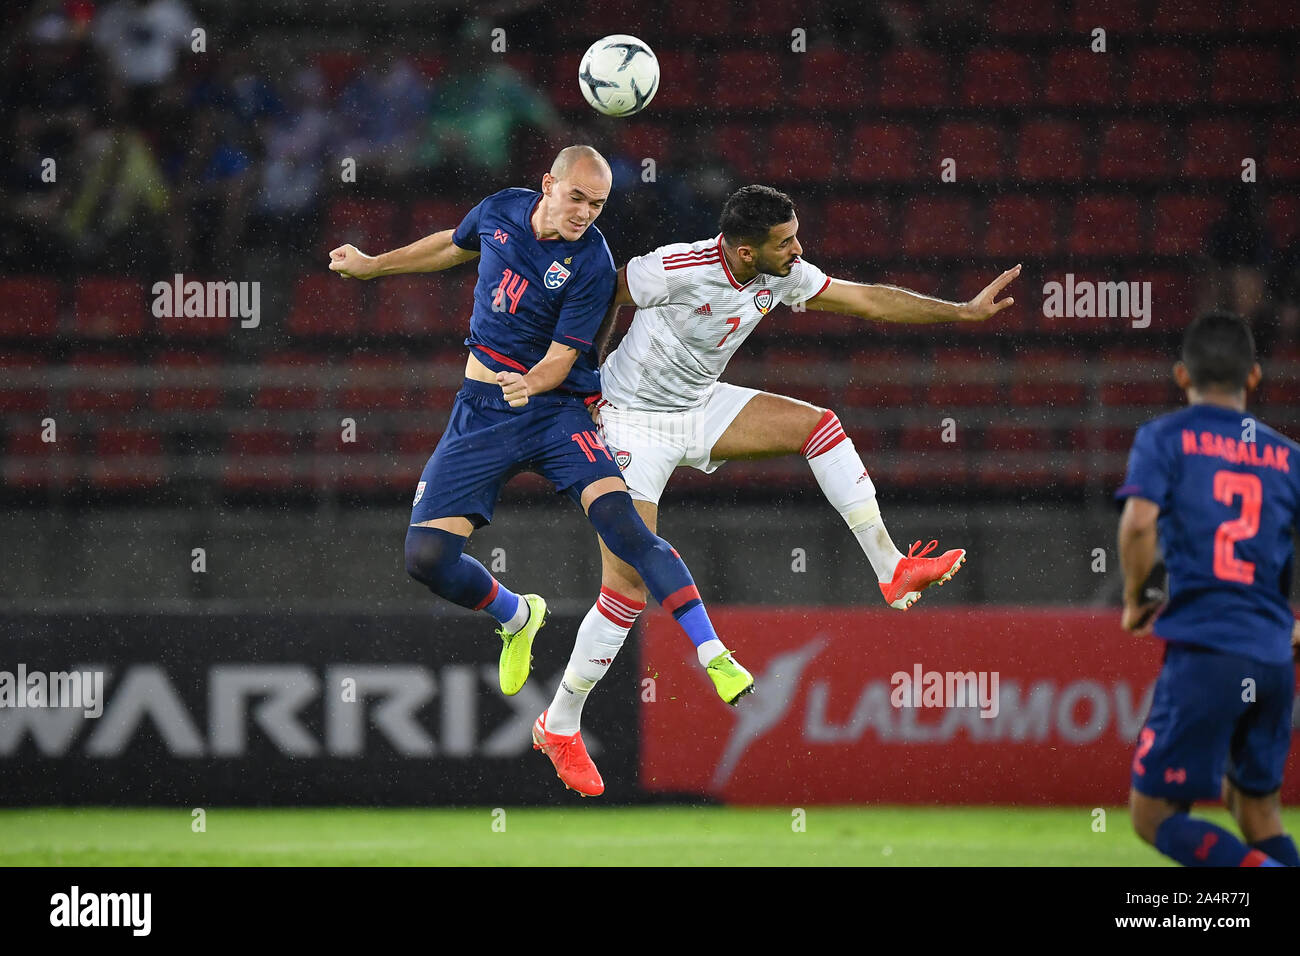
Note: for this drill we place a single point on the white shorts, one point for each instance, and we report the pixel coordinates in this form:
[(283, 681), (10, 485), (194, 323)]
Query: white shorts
[(648, 445)]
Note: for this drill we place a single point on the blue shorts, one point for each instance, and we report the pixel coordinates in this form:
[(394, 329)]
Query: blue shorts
[(487, 443), (1200, 728)]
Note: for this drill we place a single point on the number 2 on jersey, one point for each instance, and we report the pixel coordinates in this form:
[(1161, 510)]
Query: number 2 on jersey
[(1229, 485), (734, 322)]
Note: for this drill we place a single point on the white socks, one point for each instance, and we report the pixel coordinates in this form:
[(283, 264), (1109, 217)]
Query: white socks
[(844, 481), (600, 636)]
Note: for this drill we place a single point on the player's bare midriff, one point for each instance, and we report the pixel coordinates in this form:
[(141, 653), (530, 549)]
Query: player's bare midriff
[(476, 370)]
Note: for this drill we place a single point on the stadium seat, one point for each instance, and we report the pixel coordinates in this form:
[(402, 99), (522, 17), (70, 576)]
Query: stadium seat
[(852, 229), (291, 380), (679, 84), (1030, 18), (1049, 378), (29, 397), (263, 461), (1282, 161), (176, 388), (30, 464), (375, 381), (800, 152), (1106, 226), (418, 305), (1173, 297), (744, 79), (937, 227), (1188, 16), (366, 223), (1070, 321), (127, 459), (1050, 151), (976, 147), (912, 78), (1079, 77), (1247, 75), (831, 78), (997, 78), (603, 17), (563, 89), (109, 308), (1136, 377), (884, 152), (1021, 226), (1216, 147), (1283, 218), (877, 380), (221, 312), (29, 308), (638, 141), (101, 383), (434, 215), (1164, 75), (1264, 16), (736, 147), (1135, 150), (325, 305), (1181, 224), (776, 17), (1117, 17), (964, 377)]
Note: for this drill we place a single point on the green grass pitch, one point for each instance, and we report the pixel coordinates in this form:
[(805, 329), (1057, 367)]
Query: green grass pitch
[(589, 835)]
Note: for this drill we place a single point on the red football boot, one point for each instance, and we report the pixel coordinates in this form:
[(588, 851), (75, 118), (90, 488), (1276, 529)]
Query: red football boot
[(572, 764), (916, 572)]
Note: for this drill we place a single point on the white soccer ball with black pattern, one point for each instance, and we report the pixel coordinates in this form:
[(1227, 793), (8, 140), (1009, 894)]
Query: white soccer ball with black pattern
[(619, 75)]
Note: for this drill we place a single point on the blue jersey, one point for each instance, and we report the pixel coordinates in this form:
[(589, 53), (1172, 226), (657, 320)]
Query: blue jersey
[(1228, 508), (532, 292)]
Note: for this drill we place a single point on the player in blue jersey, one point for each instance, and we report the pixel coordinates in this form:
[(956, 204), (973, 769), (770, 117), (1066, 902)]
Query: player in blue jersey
[(1219, 492), (545, 279)]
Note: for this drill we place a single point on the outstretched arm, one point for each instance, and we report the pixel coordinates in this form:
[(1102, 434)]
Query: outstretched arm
[(887, 303), (430, 254)]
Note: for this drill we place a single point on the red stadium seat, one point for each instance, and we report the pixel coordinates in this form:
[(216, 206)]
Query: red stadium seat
[(376, 381), (929, 438), (1188, 16), (638, 141), (996, 78), (1135, 150), (1283, 217), (325, 305), (179, 371), (1050, 151), (831, 78), (127, 459), (291, 381), (852, 229), (221, 310), (28, 397), (961, 378), (976, 147), (418, 305), (31, 464), (1021, 226), (743, 79), (29, 308), (1048, 378), (1159, 75), (938, 227), (1282, 162), (103, 383), (366, 223), (736, 147), (913, 77), (263, 461), (1247, 75), (801, 152), (679, 84), (884, 152), (776, 17), (1181, 224), (1117, 17), (878, 380), (1079, 77), (1106, 226), (603, 17), (1029, 18), (563, 89), (1173, 297), (1071, 321), (1216, 147), (1017, 438), (1264, 16), (109, 308), (434, 215), (717, 20)]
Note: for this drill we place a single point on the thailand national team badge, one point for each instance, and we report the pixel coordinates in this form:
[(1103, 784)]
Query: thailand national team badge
[(622, 459), (763, 301), (419, 493), (555, 276)]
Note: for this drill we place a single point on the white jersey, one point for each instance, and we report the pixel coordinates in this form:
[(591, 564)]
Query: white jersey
[(691, 317)]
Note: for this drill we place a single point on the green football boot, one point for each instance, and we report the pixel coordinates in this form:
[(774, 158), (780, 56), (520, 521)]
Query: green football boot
[(730, 679), (517, 648)]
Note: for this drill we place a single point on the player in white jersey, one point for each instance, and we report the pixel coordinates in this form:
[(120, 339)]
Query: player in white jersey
[(662, 406)]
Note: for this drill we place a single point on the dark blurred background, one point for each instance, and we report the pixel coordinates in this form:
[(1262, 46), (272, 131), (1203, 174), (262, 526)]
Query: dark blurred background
[(231, 164)]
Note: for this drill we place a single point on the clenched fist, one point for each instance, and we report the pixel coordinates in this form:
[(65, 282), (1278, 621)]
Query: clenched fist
[(351, 263), (514, 388)]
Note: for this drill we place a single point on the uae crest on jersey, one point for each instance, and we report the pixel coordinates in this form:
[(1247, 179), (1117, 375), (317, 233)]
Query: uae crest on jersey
[(763, 301), (555, 276), (622, 459)]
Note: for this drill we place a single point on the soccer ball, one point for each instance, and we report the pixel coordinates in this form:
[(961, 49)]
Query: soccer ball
[(619, 75)]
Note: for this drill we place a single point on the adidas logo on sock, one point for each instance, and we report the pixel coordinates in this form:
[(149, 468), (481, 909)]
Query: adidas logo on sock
[(603, 662), (704, 310)]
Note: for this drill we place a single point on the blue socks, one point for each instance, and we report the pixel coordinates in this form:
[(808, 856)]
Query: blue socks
[(660, 566), (1194, 842), (1280, 848), (437, 560)]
